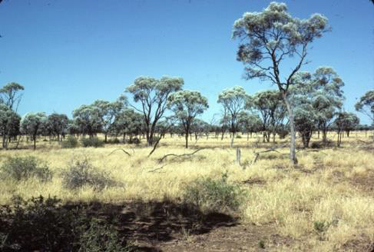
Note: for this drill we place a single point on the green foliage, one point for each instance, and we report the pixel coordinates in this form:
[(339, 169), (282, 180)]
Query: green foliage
[(114, 141), (22, 168), (321, 226), (92, 142), (83, 173), (70, 142), (43, 224), (261, 244), (214, 195), (99, 237)]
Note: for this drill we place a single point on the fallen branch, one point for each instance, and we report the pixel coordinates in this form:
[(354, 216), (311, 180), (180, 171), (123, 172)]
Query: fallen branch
[(181, 155), (159, 168), (120, 150)]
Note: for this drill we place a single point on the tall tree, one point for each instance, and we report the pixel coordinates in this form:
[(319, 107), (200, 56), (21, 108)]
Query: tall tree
[(9, 124), (270, 105), (366, 104), (267, 40), (345, 121), (233, 101), (186, 106), (32, 125), (58, 124), (153, 96), (88, 119), (11, 95)]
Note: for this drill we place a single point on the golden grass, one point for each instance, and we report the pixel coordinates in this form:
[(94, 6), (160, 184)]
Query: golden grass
[(321, 189)]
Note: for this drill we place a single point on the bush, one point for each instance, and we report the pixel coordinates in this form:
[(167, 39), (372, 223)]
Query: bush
[(70, 142), (214, 195), (136, 140), (41, 224), (92, 142), (22, 168), (82, 173), (114, 141), (99, 237)]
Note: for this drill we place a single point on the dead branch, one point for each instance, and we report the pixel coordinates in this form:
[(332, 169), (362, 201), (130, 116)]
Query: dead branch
[(154, 147), (159, 168), (120, 150), (181, 155)]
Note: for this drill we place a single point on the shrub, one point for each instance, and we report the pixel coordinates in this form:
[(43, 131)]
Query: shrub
[(82, 173), (70, 142), (41, 224), (136, 140), (99, 237), (114, 141), (92, 142), (214, 195), (22, 168)]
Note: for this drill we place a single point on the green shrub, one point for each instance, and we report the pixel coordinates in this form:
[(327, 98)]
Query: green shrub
[(92, 142), (44, 224), (114, 141), (70, 142), (214, 195), (100, 237), (82, 173), (22, 168)]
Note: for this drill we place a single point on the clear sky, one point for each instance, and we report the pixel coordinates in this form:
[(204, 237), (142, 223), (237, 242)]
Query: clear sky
[(71, 52)]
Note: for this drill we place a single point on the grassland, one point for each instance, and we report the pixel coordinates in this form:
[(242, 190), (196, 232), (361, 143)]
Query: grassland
[(326, 203)]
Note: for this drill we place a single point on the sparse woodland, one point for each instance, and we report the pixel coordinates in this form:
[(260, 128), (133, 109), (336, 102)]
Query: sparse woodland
[(285, 169)]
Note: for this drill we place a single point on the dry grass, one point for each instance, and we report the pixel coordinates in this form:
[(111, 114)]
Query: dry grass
[(323, 189)]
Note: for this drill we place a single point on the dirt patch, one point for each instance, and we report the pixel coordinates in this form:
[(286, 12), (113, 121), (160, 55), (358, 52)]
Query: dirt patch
[(364, 182)]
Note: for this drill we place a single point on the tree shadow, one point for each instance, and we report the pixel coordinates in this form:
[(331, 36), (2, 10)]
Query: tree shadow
[(151, 223)]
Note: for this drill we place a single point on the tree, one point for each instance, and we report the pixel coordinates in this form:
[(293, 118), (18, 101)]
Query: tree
[(186, 105), (233, 101), (153, 96), (269, 104), (345, 121), (249, 123), (32, 125), (366, 105), (11, 95), (57, 124), (267, 40), (108, 111), (88, 119), (305, 122), (322, 90), (128, 122), (9, 124)]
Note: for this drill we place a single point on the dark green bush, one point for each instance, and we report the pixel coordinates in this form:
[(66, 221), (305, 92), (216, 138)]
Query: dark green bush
[(41, 224), (92, 142), (22, 168), (100, 237), (135, 140), (114, 141), (82, 173), (70, 142), (214, 195)]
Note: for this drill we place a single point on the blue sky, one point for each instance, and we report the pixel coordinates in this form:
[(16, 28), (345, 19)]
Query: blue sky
[(71, 52)]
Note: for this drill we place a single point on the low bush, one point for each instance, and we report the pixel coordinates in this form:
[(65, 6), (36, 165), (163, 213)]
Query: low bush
[(136, 140), (214, 195), (43, 224), (23, 168), (92, 142), (114, 141), (82, 173), (70, 142)]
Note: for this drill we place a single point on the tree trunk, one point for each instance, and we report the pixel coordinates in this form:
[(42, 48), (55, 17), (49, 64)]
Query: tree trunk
[(291, 118), (34, 138), (232, 139)]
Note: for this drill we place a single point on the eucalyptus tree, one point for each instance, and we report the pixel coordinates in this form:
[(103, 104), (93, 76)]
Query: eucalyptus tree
[(153, 94), (249, 123), (108, 111), (186, 105), (32, 125), (128, 123), (9, 124), (11, 95), (305, 122), (234, 101), (88, 119), (58, 124), (199, 127), (345, 121), (366, 105), (270, 106), (271, 39), (322, 90)]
